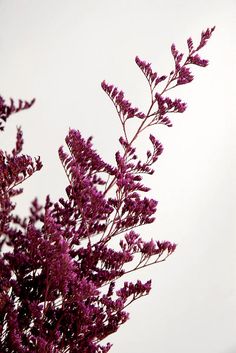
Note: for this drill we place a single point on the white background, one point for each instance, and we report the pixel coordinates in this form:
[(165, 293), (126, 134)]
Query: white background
[(59, 52)]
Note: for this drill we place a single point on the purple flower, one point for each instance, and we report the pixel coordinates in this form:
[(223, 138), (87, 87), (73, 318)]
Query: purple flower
[(59, 288), (7, 109)]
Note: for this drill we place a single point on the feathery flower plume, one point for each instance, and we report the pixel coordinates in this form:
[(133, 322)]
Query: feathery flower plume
[(59, 288)]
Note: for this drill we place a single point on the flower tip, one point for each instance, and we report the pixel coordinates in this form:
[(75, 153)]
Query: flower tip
[(174, 246), (138, 60)]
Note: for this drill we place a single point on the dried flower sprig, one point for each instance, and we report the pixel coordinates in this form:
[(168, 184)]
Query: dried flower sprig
[(58, 276), (7, 109)]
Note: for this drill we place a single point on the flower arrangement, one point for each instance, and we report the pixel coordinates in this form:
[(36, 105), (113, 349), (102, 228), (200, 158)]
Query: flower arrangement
[(59, 273)]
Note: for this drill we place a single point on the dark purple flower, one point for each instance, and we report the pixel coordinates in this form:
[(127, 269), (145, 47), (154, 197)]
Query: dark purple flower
[(59, 288)]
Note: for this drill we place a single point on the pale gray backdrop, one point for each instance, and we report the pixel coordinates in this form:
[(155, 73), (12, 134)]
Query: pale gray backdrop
[(59, 51)]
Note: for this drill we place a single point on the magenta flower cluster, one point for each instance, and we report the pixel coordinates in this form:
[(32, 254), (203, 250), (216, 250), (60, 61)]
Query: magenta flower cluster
[(60, 265)]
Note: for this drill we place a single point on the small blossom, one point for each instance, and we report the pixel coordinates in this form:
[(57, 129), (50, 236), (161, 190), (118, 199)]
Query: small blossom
[(151, 76), (190, 45), (125, 109), (196, 60), (205, 36), (185, 76), (7, 109)]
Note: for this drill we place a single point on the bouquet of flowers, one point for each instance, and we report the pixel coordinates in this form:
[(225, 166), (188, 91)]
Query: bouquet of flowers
[(62, 266)]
